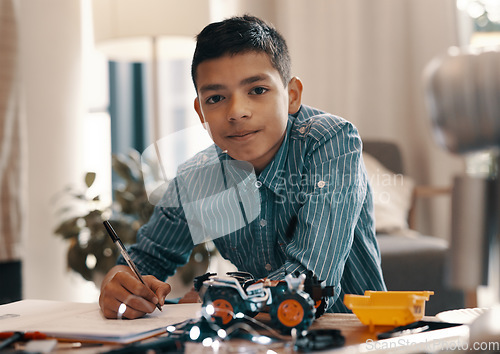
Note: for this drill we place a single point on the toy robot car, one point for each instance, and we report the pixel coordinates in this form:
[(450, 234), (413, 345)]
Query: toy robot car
[(293, 303)]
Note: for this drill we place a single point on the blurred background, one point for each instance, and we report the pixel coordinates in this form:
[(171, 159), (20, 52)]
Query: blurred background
[(75, 94)]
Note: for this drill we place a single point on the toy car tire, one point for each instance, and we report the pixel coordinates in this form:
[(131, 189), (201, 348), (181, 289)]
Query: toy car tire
[(226, 303), (292, 310)]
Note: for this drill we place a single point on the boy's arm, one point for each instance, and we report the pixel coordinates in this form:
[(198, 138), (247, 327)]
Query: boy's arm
[(326, 222), (164, 242), (162, 245)]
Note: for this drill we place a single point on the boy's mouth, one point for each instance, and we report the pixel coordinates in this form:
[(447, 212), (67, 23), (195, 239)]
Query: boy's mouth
[(243, 135)]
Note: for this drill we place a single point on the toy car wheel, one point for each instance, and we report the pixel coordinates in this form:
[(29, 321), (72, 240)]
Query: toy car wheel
[(226, 305), (292, 310)]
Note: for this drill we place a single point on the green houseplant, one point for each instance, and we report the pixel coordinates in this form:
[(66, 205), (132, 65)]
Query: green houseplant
[(91, 253)]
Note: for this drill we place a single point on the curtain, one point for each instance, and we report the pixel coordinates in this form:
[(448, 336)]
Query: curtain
[(11, 138), (363, 60)]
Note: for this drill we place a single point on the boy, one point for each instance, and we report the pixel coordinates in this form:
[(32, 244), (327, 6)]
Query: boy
[(316, 210)]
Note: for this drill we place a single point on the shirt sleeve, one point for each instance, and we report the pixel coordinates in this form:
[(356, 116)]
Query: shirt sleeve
[(334, 191), (164, 242)]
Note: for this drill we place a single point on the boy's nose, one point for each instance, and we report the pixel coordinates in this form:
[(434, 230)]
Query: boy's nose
[(238, 107)]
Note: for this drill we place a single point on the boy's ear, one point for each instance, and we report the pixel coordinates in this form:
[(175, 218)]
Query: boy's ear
[(197, 108), (294, 95)]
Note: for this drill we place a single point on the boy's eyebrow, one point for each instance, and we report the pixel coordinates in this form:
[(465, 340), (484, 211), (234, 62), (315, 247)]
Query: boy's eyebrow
[(212, 87), (246, 81), (252, 79)]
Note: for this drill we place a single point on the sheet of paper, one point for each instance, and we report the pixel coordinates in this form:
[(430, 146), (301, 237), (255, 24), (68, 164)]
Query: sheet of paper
[(84, 321)]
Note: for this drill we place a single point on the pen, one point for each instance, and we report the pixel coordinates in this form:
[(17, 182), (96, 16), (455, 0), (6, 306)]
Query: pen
[(124, 253)]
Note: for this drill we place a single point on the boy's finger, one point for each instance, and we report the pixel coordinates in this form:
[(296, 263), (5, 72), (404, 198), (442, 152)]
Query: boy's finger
[(161, 289), (136, 287), (131, 307), (115, 295)]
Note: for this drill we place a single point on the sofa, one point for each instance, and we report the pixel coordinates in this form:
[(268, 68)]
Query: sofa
[(410, 260)]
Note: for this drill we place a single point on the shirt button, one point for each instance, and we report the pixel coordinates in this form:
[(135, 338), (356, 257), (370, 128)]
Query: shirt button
[(302, 130), (258, 184), (268, 267), (321, 184), (263, 223)]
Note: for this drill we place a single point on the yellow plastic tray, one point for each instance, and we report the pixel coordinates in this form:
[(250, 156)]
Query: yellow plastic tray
[(390, 308)]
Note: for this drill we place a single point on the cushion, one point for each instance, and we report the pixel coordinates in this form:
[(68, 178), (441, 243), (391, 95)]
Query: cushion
[(392, 197)]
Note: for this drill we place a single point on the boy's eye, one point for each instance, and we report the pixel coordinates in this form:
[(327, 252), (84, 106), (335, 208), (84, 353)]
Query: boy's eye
[(258, 91), (214, 99)]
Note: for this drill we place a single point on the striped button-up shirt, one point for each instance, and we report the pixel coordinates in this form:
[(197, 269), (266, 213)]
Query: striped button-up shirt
[(314, 211)]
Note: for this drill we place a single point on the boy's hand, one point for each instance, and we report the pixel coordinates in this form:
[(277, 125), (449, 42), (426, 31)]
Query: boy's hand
[(120, 286)]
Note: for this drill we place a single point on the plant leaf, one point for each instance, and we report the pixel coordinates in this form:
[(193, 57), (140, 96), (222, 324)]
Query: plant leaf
[(121, 167), (90, 178), (69, 228)]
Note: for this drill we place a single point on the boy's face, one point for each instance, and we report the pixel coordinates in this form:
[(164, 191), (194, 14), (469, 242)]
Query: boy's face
[(246, 106)]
